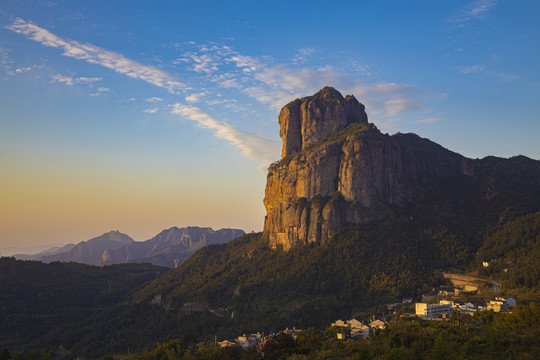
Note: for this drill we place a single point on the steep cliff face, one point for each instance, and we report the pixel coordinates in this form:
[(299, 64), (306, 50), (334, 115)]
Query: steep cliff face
[(336, 169), (305, 121)]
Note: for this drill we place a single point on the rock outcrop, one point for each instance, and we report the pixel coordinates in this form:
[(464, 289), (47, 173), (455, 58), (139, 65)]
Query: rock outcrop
[(338, 169)]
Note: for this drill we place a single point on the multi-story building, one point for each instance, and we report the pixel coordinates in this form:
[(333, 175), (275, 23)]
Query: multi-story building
[(428, 311)]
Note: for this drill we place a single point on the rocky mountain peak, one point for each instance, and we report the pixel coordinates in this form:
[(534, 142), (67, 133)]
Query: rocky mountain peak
[(338, 169), (305, 121)]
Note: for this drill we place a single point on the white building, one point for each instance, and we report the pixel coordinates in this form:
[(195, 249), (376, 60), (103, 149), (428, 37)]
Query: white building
[(247, 341), (510, 302), (428, 311), (377, 324), (340, 323), (363, 331), (501, 303), (468, 308), (354, 324)]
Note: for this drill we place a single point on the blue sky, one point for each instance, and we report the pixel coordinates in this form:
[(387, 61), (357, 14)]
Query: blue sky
[(139, 116)]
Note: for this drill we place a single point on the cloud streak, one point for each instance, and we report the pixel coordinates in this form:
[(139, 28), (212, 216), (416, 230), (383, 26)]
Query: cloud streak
[(252, 146), (475, 10), (68, 80), (96, 55), (481, 69), (275, 84), (471, 69), (430, 120), (153, 99)]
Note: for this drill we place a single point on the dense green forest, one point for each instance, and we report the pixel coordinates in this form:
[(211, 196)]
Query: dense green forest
[(41, 303), (512, 252)]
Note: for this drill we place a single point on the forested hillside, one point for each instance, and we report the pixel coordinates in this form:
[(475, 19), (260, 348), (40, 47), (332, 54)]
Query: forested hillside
[(40, 304)]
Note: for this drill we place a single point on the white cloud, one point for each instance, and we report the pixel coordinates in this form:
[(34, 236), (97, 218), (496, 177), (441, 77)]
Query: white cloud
[(62, 79), (478, 8), (276, 98), (69, 80), (475, 10), (302, 55), (96, 55), (22, 69), (247, 63), (103, 89), (475, 69), (471, 69), (429, 120), (281, 85), (195, 97), (504, 77), (399, 106), (277, 84), (362, 68), (201, 63), (252, 146), (151, 111), (153, 99), (87, 80)]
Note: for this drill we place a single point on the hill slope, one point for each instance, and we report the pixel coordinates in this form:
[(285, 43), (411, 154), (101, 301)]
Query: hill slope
[(41, 304)]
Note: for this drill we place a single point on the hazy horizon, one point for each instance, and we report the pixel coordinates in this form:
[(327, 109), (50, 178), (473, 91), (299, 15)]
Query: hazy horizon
[(150, 116)]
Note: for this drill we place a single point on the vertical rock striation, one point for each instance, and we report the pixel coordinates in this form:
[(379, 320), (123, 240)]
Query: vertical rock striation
[(337, 169), (305, 121)]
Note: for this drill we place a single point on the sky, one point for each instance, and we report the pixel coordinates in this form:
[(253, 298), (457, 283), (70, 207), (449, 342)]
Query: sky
[(138, 116)]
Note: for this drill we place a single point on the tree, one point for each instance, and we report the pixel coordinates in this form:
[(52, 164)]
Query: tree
[(279, 347)]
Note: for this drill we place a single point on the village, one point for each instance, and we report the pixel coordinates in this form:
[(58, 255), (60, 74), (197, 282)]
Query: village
[(432, 307)]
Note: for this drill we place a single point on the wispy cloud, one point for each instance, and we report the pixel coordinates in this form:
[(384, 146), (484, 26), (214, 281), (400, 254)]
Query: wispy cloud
[(252, 146), (471, 69), (22, 69), (153, 99), (475, 10), (195, 97), (302, 55), (479, 8), (429, 120), (261, 78), (87, 80), (504, 77), (68, 80), (101, 90), (277, 84), (96, 55), (81, 80), (481, 69)]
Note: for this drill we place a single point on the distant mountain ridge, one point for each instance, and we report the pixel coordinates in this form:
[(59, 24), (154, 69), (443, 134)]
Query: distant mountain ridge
[(170, 244), (168, 248)]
